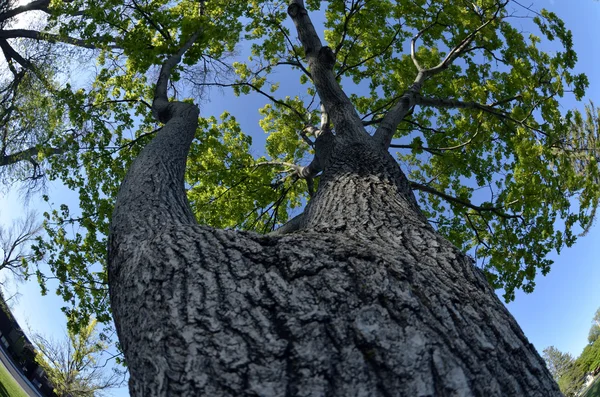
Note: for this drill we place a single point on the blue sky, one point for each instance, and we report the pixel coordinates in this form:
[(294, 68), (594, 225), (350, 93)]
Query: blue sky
[(558, 312)]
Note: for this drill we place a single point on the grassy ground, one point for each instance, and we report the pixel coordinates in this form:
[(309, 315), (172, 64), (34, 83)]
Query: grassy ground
[(594, 390), (8, 386)]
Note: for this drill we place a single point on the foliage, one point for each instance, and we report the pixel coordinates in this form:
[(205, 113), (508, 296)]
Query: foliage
[(74, 366), (558, 362), (502, 172), (595, 329), (34, 56), (590, 357), (569, 373), (572, 381)]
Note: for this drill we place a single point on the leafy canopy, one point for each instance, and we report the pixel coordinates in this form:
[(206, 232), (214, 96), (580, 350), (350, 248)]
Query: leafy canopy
[(498, 168)]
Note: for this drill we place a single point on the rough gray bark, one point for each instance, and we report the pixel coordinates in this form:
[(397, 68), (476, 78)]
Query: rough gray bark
[(364, 298)]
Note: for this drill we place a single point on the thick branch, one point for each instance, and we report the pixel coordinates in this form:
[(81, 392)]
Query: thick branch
[(37, 5), (290, 226), (152, 194), (33, 34), (11, 54), (161, 99), (321, 61), (26, 154), (454, 200), (384, 134)]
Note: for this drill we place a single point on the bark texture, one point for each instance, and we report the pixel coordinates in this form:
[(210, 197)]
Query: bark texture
[(363, 298), (362, 302)]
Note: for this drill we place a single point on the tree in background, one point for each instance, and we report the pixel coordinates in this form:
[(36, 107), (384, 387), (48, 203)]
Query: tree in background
[(14, 245), (76, 366), (558, 362), (569, 373), (595, 329), (38, 57)]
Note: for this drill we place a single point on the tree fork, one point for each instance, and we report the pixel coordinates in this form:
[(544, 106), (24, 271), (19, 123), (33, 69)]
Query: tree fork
[(364, 298)]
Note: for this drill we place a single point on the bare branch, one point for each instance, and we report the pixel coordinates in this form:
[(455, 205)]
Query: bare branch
[(14, 243), (456, 104), (33, 34), (499, 210), (301, 116), (37, 5)]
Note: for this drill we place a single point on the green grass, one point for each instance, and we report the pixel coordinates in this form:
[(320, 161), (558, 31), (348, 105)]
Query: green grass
[(8, 386), (594, 390)]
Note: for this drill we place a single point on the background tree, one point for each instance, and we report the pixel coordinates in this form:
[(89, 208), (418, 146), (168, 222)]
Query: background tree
[(558, 362), (14, 245), (76, 366), (38, 55), (595, 328)]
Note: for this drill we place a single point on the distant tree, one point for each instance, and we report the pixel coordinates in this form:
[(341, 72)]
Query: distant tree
[(14, 244), (595, 329), (590, 357), (73, 365), (572, 381), (557, 362), (569, 373)]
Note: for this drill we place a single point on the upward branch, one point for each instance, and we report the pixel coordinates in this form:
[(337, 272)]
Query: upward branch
[(321, 61), (152, 195), (160, 92), (384, 134)]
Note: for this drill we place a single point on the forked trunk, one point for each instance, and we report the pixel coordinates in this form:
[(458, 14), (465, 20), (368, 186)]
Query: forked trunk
[(363, 299), (366, 300)]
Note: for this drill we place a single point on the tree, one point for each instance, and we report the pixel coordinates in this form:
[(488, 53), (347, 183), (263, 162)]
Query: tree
[(74, 365), (30, 88), (595, 328), (359, 294), (14, 244), (571, 383), (558, 362), (590, 357), (486, 124)]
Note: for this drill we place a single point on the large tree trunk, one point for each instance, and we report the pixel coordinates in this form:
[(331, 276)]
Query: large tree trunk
[(364, 299)]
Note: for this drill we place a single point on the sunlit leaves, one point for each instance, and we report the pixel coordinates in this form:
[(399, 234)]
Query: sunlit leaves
[(524, 180), (229, 188)]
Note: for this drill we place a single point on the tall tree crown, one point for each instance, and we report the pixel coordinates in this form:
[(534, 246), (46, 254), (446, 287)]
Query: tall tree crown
[(462, 94)]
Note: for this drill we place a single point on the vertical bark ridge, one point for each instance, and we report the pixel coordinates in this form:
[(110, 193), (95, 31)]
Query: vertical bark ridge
[(362, 189)]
